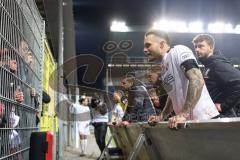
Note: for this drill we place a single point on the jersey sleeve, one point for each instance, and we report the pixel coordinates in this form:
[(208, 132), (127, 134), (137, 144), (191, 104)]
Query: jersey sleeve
[(183, 54)]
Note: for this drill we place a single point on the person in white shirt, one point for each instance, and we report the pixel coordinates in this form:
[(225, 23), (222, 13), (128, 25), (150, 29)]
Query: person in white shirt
[(83, 112), (182, 80), (117, 112)]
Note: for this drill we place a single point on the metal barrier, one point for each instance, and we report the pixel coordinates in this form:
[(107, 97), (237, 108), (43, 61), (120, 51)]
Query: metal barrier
[(21, 47), (214, 139), (48, 119)]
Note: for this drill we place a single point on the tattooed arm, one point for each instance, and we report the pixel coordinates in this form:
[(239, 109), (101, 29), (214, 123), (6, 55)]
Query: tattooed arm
[(194, 91)]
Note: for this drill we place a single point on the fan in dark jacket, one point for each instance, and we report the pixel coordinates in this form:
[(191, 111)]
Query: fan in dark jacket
[(222, 79), (140, 106)]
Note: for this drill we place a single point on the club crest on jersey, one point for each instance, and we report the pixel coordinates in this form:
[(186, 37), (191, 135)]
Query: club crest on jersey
[(206, 72)]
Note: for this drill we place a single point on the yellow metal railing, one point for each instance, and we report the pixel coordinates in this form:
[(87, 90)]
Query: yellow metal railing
[(48, 119)]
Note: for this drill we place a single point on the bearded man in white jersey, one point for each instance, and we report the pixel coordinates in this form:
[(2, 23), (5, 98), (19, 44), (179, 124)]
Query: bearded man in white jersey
[(182, 80)]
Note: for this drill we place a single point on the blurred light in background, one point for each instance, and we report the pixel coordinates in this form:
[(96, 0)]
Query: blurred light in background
[(195, 27), (182, 27), (119, 26)]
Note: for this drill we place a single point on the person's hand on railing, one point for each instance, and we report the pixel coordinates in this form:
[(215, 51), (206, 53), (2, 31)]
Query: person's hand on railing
[(110, 123), (124, 124), (175, 120), (153, 120)]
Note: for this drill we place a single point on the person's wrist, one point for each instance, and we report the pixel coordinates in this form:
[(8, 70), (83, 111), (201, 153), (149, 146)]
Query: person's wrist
[(185, 114), (162, 115)]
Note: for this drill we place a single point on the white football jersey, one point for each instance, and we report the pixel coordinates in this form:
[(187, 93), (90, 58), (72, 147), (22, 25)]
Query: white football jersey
[(176, 84)]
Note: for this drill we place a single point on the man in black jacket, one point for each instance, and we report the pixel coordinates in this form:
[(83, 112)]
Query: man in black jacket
[(222, 79), (140, 106)]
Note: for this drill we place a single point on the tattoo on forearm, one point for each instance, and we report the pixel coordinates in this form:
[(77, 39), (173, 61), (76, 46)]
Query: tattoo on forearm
[(194, 91)]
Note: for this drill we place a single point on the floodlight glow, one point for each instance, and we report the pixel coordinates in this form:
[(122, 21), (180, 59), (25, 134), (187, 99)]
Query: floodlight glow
[(217, 27), (118, 26), (161, 25), (237, 29), (170, 26), (220, 27), (195, 27), (228, 28), (178, 26), (182, 27)]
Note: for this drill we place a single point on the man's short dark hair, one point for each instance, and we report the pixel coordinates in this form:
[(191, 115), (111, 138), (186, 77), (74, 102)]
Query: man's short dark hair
[(160, 34), (204, 37)]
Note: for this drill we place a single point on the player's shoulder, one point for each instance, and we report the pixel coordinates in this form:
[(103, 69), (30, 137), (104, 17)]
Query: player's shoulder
[(181, 48), (182, 53)]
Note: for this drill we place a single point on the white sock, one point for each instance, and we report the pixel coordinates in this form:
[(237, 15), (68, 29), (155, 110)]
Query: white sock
[(81, 145), (85, 146)]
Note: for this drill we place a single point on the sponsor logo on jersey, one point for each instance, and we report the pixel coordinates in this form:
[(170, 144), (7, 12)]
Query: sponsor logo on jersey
[(185, 56), (167, 82)]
